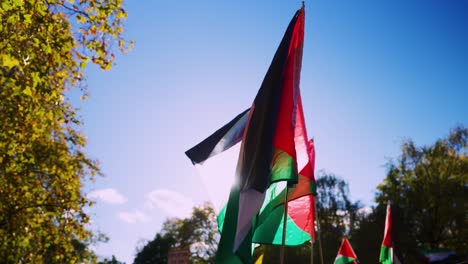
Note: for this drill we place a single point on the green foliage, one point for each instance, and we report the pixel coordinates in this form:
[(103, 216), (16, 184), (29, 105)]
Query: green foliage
[(155, 251), (428, 187), (113, 260), (367, 237), (45, 46), (337, 214), (199, 233)]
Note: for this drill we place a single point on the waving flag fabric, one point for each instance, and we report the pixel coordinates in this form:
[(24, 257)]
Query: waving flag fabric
[(216, 158), (346, 254), (301, 217), (268, 149), (386, 251)]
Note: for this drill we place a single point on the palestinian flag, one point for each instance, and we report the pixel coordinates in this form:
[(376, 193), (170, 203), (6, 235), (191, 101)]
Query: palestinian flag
[(301, 205), (346, 253), (221, 146), (386, 251), (216, 158), (267, 153)]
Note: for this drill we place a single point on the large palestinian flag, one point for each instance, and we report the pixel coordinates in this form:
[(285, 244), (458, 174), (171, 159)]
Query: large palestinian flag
[(218, 152), (386, 251), (268, 149), (301, 205), (346, 253)]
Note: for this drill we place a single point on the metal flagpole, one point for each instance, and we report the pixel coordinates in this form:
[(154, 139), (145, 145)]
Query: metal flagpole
[(285, 217)]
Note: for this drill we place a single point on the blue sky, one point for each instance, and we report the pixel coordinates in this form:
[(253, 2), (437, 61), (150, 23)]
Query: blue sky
[(374, 73)]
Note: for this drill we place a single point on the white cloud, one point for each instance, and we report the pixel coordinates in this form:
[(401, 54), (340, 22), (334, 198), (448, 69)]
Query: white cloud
[(108, 195), (133, 217), (173, 203), (366, 210)]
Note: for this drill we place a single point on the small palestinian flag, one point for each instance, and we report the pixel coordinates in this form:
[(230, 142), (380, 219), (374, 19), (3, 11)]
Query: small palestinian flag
[(346, 254), (386, 251), (268, 151)]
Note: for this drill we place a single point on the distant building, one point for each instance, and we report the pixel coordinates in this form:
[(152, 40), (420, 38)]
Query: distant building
[(178, 256)]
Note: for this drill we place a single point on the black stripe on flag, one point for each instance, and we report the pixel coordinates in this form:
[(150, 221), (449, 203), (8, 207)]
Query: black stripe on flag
[(257, 154), (221, 140)]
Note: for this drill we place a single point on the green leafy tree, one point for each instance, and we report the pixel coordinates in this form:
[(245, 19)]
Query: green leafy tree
[(367, 237), (112, 260), (198, 233), (337, 214), (45, 46), (155, 251), (428, 187)]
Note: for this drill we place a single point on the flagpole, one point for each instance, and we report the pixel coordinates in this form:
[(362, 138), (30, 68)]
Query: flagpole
[(318, 231), (389, 204), (313, 240), (285, 217), (312, 251)]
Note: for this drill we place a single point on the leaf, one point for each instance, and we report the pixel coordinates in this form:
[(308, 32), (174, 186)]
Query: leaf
[(9, 61), (6, 6), (47, 49), (27, 19), (17, 3), (27, 91), (36, 78), (80, 18)]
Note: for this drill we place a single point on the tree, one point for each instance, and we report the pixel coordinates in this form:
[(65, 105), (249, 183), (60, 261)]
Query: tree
[(113, 260), (155, 251), (337, 214), (368, 235), (45, 46), (198, 233), (428, 187)]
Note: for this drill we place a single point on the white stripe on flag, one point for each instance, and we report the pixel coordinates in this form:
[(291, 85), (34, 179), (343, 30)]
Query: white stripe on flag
[(250, 202)]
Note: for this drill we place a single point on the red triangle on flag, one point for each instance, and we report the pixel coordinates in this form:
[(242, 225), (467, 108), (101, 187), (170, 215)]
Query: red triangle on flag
[(346, 249)]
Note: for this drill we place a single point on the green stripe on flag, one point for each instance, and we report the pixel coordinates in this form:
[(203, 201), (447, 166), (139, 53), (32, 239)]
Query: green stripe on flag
[(283, 167), (385, 255), (270, 231), (313, 188), (228, 220), (343, 260)]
